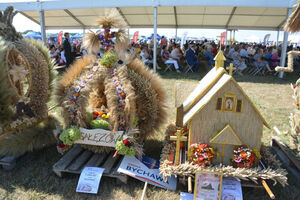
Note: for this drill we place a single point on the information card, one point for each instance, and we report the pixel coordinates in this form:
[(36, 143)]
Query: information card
[(89, 180)]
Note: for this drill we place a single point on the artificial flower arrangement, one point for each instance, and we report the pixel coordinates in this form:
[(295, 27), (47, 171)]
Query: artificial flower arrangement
[(201, 154), (243, 156), (124, 146)]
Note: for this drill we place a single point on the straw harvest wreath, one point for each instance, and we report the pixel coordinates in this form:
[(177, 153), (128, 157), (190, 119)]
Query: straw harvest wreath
[(25, 87), (293, 25), (117, 92)]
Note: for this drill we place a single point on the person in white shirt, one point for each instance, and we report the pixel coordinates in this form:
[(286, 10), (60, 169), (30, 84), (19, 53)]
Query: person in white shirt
[(145, 55), (251, 51), (175, 54), (167, 60)]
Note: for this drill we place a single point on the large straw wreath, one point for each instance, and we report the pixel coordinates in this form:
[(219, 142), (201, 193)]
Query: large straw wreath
[(25, 85), (131, 92)]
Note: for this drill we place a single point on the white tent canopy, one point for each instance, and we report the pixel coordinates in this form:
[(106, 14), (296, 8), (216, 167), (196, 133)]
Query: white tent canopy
[(220, 14)]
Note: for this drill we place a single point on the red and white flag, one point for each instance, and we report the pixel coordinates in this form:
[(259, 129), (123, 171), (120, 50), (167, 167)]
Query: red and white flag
[(223, 37), (135, 37), (59, 38)]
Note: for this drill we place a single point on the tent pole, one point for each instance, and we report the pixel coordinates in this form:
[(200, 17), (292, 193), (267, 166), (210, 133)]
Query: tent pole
[(155, 38), (42, 23), (277, 40), (284, 45), (175, 33), (233, 37), (230, 38)]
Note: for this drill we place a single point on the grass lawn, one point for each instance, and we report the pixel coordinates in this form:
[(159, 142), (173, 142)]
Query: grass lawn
[(33, 177)]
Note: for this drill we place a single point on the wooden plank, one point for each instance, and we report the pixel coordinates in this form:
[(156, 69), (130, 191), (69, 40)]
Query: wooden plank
[(292, 159), (121, 178), (96, 160), (109, 163), (179, 116), (8, 159), (80, 161), (65, 161), (250, 184)]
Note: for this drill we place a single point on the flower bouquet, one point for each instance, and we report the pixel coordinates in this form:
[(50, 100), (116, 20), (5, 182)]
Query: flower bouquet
[(201, 154), (243, 156)]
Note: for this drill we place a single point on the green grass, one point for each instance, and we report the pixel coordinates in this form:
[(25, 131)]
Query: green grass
[(33, 177)]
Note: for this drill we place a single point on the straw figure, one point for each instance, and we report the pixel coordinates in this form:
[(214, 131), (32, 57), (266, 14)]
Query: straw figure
[(116, 92), (25, 87), (293, 25)]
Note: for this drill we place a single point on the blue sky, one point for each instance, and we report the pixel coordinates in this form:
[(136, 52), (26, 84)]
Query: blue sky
[(22, 23)]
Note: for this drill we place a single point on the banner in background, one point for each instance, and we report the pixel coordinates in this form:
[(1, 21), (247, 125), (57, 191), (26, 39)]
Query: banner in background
[(60, 36), (266, 38), (135, 37), (183, 39), (223, 39)]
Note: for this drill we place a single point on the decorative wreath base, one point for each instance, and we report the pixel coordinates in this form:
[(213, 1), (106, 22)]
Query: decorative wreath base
[(274, 172), (34, 138)]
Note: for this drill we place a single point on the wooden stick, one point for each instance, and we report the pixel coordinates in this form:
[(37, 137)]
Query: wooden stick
[(144, 190), (276, 130), (270, 193), (190, 184), (52, 107)]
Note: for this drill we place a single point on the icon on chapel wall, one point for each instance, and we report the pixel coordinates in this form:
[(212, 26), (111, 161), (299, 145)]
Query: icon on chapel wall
[(229, 103)]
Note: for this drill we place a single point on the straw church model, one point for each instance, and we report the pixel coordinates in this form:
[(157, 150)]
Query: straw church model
[(220, 113), (217, 129)]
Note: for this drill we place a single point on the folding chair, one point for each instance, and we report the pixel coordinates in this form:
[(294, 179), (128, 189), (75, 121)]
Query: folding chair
[(168, 67), (188, 67)]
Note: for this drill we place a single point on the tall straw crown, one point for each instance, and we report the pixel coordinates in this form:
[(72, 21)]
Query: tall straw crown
[(293, 23)]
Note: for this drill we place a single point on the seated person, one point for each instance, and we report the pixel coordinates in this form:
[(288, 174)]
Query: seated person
[(168, 60), (275, 59), (238, 62), (145, 55), (262, 64), (209, 56), (175, 54), (191, 58)]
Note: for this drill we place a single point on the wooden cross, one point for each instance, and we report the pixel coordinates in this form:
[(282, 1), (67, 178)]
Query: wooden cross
[(230, 68), (178, 138)]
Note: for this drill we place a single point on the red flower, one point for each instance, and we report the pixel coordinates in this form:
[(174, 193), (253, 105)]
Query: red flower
[(294, 86), (127, 143), (203, 145)]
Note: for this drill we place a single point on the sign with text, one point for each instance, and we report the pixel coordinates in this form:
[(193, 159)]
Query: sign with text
[(231, 189), (89, 180), (208, 185), (99, 137), (146, 170)]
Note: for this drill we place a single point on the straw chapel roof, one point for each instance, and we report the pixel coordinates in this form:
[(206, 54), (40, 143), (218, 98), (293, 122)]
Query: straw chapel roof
[(207, 88)]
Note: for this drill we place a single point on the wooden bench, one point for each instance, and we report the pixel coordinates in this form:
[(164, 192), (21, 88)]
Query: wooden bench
[(77, 158), (9, 162)]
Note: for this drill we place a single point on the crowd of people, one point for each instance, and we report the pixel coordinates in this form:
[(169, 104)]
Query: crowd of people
[(64, 54), (243, 56)]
